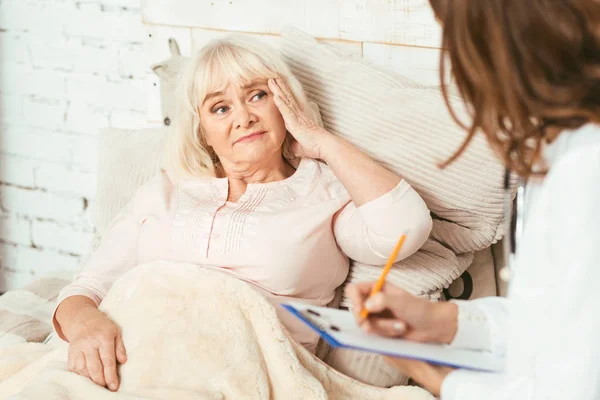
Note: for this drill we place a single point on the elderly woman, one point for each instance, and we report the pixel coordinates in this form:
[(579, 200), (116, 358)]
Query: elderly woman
[(253, 186)]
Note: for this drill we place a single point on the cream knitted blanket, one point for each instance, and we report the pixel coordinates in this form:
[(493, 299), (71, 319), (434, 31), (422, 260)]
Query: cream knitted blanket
[(189, 333)]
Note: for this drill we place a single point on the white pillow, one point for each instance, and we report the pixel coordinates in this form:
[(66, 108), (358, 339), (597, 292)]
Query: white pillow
[(127, 158), (409, 129)]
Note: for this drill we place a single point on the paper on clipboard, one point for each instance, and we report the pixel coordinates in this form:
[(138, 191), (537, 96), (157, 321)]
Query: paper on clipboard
[(339, 329)]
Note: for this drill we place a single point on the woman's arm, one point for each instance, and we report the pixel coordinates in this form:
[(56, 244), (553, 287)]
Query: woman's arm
[(478, 324), (68, 314), (364, 179), (554, 318), (383, 205), (369, 233), (95, 342), (405, 316), (116, 253)]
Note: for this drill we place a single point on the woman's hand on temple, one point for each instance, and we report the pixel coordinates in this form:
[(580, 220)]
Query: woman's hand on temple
[(309, 136), (394, 312), (95, 348)]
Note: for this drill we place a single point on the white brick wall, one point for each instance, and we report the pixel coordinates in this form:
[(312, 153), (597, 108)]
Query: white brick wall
[(403, 22), (60, 237), (400, 35), (16, 230), (71, 67), (67, 69)]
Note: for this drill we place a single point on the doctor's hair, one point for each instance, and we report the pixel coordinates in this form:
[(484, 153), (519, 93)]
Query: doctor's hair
[(526, 70)]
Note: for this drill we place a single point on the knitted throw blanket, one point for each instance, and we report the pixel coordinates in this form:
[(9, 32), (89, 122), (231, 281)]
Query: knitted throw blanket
[(190, 333)]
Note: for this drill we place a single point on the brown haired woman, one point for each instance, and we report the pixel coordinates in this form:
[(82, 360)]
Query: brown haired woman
[(529, 72)]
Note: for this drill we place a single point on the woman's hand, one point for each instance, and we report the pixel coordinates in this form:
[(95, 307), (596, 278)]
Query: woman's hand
[(309, 136), (394, 312), (95, 348), (427, 375)]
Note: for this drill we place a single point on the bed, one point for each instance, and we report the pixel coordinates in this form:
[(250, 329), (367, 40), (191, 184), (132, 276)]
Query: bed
[(461, 258)]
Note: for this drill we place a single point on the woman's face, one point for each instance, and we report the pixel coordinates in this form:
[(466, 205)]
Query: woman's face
[(242, 123)]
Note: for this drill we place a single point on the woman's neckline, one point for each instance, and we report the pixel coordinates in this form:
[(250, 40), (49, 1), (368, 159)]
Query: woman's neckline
[(252, 187), (289, 179)]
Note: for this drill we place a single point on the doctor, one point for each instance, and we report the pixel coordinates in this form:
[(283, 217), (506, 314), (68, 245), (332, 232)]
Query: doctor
[(530, 73)]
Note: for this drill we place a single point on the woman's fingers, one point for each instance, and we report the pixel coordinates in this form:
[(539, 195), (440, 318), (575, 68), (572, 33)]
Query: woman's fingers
[(359, 298), (357, 293), (98, 361), (109, 363), (282, 103), (394, 312), (76, 362), (391, 311), (278, 93), (288, 94), (80, 365), (376, 303), (94, 366), (283, 107), (281, 90), (400, 303), (120, 350), (360, 290), (71, 358), (393, 328), (285, 100)]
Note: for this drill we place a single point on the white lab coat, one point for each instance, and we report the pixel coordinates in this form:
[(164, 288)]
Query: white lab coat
[(549, 326)]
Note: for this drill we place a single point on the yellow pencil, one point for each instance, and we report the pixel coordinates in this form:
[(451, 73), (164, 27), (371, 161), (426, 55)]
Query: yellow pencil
[(364, 312)]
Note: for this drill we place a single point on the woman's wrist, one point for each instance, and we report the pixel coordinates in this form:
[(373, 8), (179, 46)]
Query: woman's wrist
[(337, 151), (329, 146), (446, 322), (72, 312)]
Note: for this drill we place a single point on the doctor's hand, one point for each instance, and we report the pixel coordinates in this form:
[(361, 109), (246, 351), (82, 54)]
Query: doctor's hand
[(427, 375), (393, 312)]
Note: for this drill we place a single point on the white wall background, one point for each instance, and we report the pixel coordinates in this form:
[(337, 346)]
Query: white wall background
[(71, 67), (67, 69)]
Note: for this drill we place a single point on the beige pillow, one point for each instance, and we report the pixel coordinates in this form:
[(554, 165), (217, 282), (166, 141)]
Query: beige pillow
[(408, 129)]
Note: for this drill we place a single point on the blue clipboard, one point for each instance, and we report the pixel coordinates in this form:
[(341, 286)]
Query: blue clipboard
[(339, 329)]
